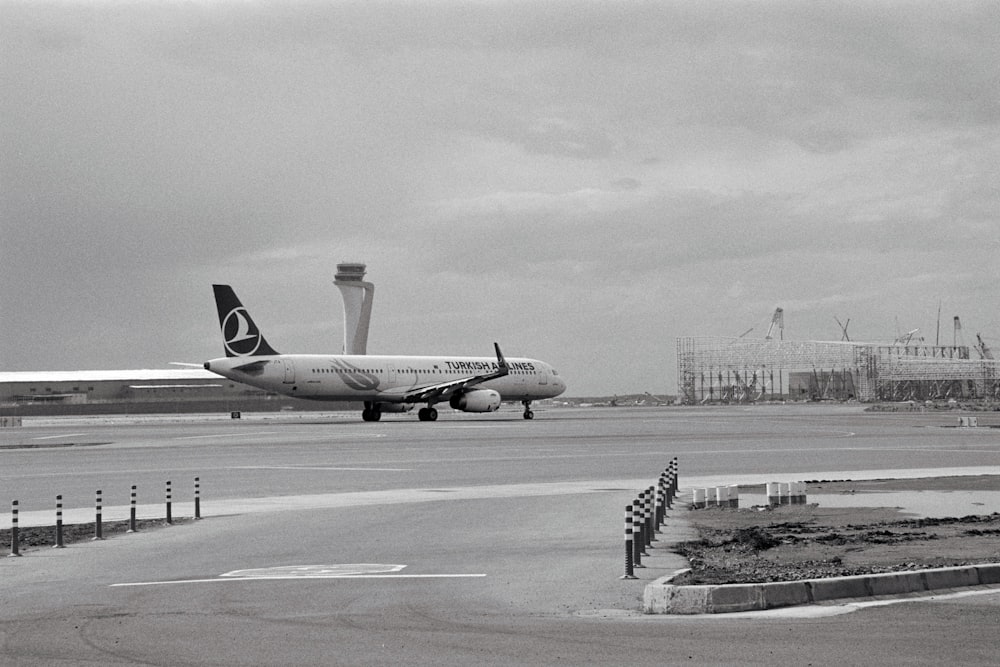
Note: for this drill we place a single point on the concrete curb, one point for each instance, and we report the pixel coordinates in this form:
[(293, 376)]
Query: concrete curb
[(662, 597)]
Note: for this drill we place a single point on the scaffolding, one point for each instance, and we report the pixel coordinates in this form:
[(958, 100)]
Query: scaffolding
[(740, 370)]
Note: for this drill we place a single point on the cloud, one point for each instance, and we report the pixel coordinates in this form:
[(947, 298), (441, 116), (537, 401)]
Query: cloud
[(586, 180)]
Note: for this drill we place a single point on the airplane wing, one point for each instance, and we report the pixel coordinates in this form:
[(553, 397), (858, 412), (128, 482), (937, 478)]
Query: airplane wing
[(442, 391)]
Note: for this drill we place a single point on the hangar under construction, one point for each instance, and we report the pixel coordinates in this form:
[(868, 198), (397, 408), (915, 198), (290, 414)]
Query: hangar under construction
[(733, 370)]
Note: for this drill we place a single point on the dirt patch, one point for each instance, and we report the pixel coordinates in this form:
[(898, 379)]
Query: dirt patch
[(45, 536), (807, 541)]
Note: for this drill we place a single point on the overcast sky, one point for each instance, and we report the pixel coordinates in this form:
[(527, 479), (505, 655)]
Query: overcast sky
[(582, 182)]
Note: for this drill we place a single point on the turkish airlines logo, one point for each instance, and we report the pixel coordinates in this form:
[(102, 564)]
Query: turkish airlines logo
[(242, 338), (355, 378)]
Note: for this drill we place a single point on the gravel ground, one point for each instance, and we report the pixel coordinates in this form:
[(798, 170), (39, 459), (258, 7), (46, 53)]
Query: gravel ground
[(807, 541)]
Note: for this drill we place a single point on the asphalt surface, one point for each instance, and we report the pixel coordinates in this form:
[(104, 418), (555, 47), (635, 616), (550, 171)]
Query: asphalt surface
[(485, 540)]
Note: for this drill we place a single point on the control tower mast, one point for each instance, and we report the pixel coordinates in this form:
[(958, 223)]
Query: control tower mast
[(358, 296)]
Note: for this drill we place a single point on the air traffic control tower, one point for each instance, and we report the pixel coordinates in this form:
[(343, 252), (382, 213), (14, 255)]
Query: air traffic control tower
[(358, 296)]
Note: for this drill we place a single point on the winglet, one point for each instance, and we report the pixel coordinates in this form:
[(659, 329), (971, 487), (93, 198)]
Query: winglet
[(502, 367)]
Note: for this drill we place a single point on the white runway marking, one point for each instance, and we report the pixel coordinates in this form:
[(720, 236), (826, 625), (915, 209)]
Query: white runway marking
[(227, 435), (320, 468), (340, 569), (61, 435), (299, 572)]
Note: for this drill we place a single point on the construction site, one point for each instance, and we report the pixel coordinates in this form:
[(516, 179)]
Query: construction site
[(746, 370)]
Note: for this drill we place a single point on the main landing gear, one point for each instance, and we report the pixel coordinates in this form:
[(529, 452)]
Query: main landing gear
[(427, 414), (372, 412), (528, 414)]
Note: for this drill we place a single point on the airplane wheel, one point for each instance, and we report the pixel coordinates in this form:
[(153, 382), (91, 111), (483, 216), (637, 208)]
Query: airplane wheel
[(528, 414), (371, 414), (432, 414)]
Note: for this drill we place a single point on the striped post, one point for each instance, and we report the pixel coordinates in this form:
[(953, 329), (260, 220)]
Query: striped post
[(15, 537), (643, 504), (59, 526), (170, 518), (661, 497), (637, 537), (131, 512), (98, 529), (650, 510), (197, 497), (629, 565)]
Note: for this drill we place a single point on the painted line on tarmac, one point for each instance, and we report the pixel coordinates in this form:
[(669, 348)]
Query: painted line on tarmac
[(318, 576), (227, 435), (296, 572), (320, 468), (61, 435)]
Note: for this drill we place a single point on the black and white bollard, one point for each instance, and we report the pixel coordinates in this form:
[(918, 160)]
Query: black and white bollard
[(131, 512), (197, 498), (170, 518), (644, 542), (629, 566), (637, 537), (59, 527), (15, 537), (650, 511), (98, 529), (661, 500), (669, 488)]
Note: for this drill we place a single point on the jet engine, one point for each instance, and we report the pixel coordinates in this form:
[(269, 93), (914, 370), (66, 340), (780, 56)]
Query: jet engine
[(476, 400)]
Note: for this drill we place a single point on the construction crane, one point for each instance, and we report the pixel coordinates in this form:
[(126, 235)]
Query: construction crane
[(779, 319), (982, 349), (843, 329), (904, 339)]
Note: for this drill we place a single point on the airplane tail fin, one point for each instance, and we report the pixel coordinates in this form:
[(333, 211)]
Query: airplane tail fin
[(240, 335)]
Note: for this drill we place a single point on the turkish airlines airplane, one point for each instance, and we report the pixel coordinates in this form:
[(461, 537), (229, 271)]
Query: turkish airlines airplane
[(384, 383)]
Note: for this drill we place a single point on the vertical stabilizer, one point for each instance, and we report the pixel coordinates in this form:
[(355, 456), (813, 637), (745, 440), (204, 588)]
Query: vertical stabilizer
[(240, 335)]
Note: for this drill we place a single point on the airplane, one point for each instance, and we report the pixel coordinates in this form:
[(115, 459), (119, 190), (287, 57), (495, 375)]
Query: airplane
[(385, 383)]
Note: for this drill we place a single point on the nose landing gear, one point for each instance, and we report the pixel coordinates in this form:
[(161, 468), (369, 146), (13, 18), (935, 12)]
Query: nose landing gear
[(528, 414)]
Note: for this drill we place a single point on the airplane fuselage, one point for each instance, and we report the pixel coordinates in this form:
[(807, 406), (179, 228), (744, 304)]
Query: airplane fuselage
[(385, 383), (383, 378)]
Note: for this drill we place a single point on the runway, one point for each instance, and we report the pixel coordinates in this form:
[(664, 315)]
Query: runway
[(487, 540)]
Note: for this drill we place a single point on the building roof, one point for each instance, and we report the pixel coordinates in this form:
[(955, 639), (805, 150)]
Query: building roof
[(136, 375)]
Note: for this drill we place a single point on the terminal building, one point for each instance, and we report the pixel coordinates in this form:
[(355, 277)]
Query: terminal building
[(125, 391)]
